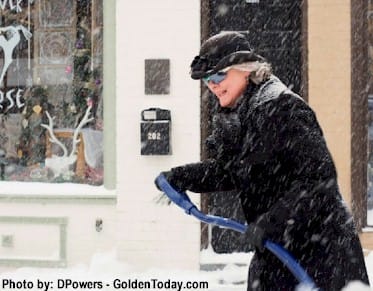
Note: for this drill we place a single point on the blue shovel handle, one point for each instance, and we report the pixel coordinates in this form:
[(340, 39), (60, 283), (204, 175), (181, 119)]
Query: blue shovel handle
[(183, 201)]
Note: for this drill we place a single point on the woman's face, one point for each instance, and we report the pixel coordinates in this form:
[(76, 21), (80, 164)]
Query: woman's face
[(231, 88)]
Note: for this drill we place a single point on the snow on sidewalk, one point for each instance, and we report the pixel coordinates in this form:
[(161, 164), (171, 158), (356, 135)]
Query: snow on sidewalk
[(110, 274)]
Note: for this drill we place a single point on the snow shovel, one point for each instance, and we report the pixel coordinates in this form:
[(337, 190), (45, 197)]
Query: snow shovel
[(182, 200)]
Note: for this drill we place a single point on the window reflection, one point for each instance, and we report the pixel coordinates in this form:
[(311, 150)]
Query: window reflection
[(51, 63)]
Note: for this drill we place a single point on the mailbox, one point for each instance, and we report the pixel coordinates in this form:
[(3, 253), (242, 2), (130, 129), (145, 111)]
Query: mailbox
[(155, 131)]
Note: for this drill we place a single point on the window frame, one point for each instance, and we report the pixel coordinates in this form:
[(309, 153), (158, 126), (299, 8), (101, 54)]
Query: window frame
[(48, 191)]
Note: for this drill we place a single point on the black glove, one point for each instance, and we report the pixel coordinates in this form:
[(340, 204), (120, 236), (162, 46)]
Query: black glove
[(166, 175), (174, 182), (256, 236)]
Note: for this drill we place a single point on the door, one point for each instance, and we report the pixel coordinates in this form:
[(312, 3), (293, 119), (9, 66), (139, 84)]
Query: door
[(275, 29)]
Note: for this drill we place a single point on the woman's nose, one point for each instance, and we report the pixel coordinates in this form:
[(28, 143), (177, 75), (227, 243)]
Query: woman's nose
[(212, 85)]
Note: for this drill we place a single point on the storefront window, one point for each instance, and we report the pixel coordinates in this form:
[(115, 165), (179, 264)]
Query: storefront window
[(51, 105)]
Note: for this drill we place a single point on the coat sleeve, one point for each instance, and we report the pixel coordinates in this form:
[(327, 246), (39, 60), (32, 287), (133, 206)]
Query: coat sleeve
[(205, 176), (292, 135)]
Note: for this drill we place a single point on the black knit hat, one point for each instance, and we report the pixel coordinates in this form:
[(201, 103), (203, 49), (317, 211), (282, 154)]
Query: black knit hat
[(220, 51)]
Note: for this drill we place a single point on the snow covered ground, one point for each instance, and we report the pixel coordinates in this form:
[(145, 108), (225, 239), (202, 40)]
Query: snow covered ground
[(106, 273)]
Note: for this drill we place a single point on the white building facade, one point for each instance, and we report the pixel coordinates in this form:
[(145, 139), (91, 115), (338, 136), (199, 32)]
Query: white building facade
[(63, 224), (125, 57), (150, 234)]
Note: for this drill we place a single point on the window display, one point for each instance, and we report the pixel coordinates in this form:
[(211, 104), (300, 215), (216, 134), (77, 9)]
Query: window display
[(51, 105)]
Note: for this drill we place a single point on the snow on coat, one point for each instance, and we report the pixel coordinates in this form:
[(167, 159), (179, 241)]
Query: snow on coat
[(271, 149)]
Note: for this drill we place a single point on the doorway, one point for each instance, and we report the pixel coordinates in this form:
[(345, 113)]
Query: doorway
[(276, 30)]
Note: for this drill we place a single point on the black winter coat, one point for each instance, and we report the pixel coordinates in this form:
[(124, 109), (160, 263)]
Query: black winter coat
[(271, 149)]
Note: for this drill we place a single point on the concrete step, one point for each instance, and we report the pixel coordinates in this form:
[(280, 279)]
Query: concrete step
[(225, 271)]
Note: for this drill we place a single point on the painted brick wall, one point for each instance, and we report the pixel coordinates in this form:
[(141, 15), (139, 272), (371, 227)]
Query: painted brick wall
[(329, 62), (151, 235)]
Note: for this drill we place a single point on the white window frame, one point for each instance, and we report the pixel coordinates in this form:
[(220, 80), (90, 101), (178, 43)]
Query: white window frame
[(31, 191)]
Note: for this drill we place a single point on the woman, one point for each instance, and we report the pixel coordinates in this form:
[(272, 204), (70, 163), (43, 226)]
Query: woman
[(269, 146)]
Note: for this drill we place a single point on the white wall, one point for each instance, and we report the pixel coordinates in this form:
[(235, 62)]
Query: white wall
[(41, 241), (151, 235)]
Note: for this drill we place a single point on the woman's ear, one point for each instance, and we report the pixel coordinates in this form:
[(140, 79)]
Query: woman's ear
[(248, 76), (252, 75)]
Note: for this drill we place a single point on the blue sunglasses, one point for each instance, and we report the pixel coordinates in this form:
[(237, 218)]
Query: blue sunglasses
[(215, 78)]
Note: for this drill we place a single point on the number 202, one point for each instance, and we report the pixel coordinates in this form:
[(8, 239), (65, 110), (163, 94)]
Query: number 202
[(154, 135)]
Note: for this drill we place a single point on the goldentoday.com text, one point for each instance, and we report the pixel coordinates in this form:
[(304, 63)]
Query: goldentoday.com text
[(115, 284)]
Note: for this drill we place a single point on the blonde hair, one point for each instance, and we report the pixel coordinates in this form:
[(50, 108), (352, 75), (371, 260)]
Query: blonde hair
[(259, 71)]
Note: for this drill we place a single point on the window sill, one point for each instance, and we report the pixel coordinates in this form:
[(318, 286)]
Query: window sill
[(53, 192), (367, 229)]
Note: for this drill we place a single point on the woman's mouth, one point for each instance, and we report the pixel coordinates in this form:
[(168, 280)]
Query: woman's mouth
[(222, 94)]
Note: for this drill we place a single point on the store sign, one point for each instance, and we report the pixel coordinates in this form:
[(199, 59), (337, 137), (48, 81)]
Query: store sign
[(10, 38), (13, 5), (11, 98)]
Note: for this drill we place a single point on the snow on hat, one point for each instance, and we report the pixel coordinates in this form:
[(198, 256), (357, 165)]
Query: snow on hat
[(220, 51)]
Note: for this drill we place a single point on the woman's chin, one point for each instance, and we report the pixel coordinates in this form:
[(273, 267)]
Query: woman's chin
[(225, 103)]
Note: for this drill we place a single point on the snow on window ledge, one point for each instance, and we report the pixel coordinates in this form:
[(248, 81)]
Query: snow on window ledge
[(208, 256), (29, 189), (367, 229)]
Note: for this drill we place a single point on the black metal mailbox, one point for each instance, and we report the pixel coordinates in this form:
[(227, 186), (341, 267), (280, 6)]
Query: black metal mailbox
[(155, 131)]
